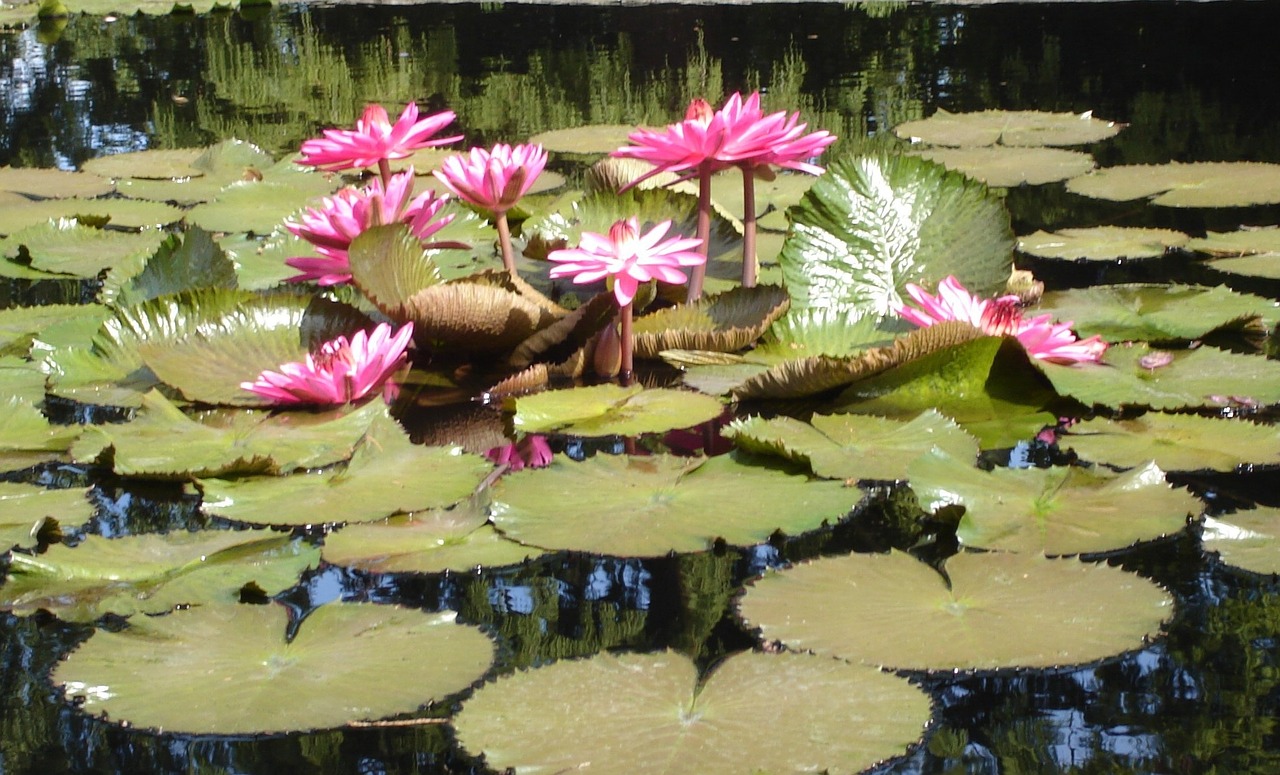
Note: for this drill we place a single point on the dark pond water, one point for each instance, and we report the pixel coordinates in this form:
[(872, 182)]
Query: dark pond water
[(1194, 81)]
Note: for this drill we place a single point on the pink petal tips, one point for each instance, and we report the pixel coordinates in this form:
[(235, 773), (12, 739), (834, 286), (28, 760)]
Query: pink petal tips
[(376, 139), (628, 258), (493, 180), (342, 370)]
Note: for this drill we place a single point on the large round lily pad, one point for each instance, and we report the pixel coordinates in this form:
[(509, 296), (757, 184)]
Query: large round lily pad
[(649, 714), (126, 213), (1008, 167), (1101, 243), (24, 509), (1176, 442), (229, 670), (1156, 312), (1249, 540), (999, 610), (607, 410), (1198, 184), (1008, 127), (27, 437), (52, 183), (650, 506)]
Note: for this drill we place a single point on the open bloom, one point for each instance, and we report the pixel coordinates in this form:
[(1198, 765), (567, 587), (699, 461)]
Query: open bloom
[(1042, 338), (681, 147), (752, 139), (493, 179), (342, 371), (375, 139), (628, 258), (345, 215)]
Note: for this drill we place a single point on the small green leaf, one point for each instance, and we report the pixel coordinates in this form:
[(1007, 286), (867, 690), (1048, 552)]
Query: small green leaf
[(612, 410)]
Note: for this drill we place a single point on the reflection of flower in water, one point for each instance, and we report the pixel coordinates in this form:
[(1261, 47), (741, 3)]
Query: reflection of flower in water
[(1042, 338), (340, 372), (532, 451)]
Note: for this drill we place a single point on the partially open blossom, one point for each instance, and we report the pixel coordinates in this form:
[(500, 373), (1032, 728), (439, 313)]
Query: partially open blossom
[(340, 372), (532, 451), (375, 139), (345, 215), (752, 139), (680, 147), (493, 179), (1042, 338), (628, 258)]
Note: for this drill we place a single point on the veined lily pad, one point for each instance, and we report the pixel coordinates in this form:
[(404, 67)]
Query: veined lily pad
[(998, 611), (20, 325), (480, 314), (1246, 539), (220, 165), (650, 506), (163, 441), (649, 714), (872, 224), (27, 438), (1008, 127), (21, 379), (195, 262), (52, 183), (460, 540), (389, 266), (125, 213), (1205, 376), (1177, 442), (259, 262), (229, 670), (1198, 184), (846, 446), (24, 508), (153, 573), (67, 247), (1141, 312), (1005, 167), (1061, 510), (1101, 243), (613, 410), (727, 322), (388, 474)]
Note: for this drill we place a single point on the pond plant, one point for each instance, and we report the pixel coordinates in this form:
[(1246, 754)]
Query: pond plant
[(286, 401)]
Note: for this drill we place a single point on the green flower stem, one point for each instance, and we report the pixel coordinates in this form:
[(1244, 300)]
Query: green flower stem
[(750, 266)]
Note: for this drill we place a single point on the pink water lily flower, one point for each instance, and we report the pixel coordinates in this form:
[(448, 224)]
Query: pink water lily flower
[(753, 139), (680, 147), (347, 214), (375, 140), (628, 258), (1042, 338), (341, 371)]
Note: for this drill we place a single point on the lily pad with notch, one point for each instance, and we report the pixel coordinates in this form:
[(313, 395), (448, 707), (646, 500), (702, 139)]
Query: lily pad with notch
[(1158, 312), (613, 410), (1177, 184), (1248, 540), (1005, 167), (1176, 442), (26, 508), (1008, 127), (1102, 243)]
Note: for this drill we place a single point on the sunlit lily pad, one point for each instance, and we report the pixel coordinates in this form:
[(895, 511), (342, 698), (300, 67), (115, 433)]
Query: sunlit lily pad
[(388, 474), (179, 266), (52, 184), (1101, 243), (20, 325), (256, 206), (1008, 167), (24, 509), (259, 262), (1205, 376), (1246, 539), (846, 446), (1262, 265), (1008, 127), (649, 714), (153, 573), (1143, 312), (125, 213), (220, 165), (1060, 510), (21, 379), (1197, 184), (1177, 442), (67, 247), (585, 140), (998, 611), (650, 506), (229, 670), (613, 410), (156, 164), (1243, 242), (27, 438), (727, 321)]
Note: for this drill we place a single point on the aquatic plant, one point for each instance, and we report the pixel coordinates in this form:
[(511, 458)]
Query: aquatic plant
[(375, 141), (341, 371)]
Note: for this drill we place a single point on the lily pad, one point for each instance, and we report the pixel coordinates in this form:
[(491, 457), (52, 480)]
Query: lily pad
[(649, 714), (1197, 184), (1060, 510), (1005, 167), (24, 509), (52, 183), (613, 410), (124, 213), (256, 206), (229, 669), (153, 573), (1176, 442), (1243, 242), (67, 247), (27, 438), (853, 447), (725, 322), (387, 474), (1249, 540), (991, 610), (1155, 313), (19, 326), (1263, 265), (1008, 127), (1101, 243), (156, 164), (585, 140), (650, 506)]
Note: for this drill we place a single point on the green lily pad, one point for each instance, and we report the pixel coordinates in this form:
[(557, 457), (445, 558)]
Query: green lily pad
[(613, 410), (156, 164), (195, 262), (1176, 442), (27, 438), (256, 206), (259, 262), (24, 509), (1006, 167), (649, 714), (1101, 243), (229, 669), (650, 506), (1008, 127), (153, 573), (1243, 242), (220, 165), (991, 611), (124, 213), (163, 441), (1061, 510), (389, 266), (1197, 184), (725, 322), (19, 326), (585, 140), (21, 379), (387, 474), (1150, 312), (1246, 539), (67, 247), (1205, 376), (872, 224), (52, 183), (459, 540), (853, 447), (1265, 266), (773, 197)]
